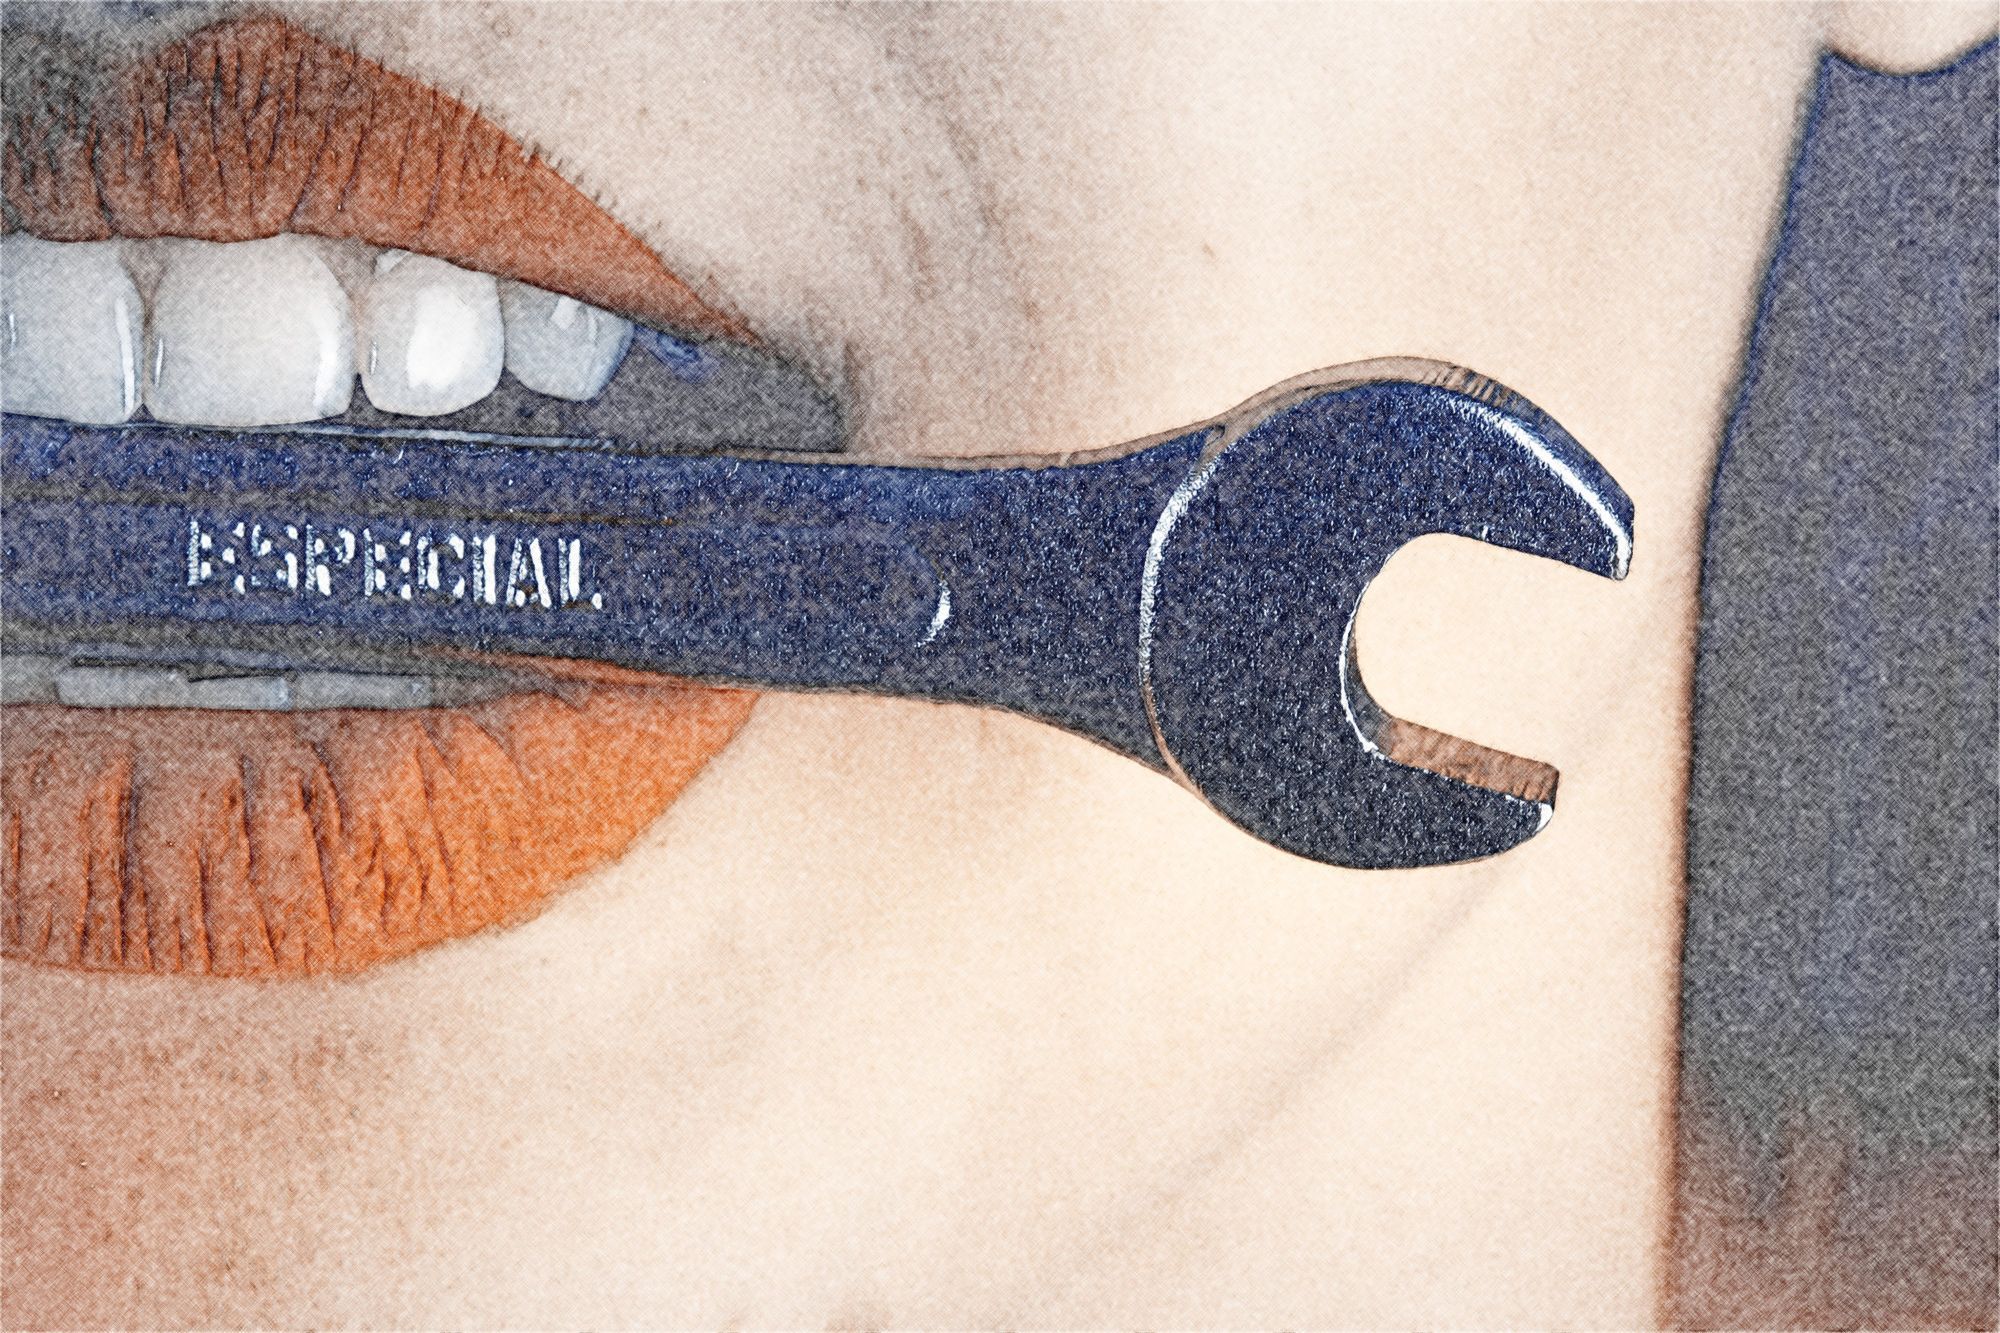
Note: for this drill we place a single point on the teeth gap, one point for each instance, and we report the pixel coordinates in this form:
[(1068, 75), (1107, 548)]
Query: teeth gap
[(294, 329)]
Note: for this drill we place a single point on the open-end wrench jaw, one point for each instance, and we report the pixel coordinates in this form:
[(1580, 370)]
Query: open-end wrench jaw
[(1187, 600), (1257, 568)]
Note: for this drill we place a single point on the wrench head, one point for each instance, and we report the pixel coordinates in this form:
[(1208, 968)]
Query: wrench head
[(1258, 565)]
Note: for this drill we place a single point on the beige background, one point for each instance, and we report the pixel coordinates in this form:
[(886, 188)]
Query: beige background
[(918, 1015)]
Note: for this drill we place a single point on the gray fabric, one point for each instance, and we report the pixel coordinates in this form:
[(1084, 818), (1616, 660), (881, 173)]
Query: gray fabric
[(1839, 980)]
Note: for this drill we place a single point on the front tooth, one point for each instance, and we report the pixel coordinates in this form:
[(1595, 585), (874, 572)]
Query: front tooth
[(249, 333), (559, 346), (431, 335), (71, 330)]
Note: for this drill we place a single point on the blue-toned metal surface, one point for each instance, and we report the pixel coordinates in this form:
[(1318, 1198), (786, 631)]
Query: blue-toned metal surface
[(1188, 602), (1260, 577)]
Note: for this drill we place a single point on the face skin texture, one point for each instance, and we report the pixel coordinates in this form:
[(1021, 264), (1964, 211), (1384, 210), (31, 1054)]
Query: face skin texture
[(922, 1015)]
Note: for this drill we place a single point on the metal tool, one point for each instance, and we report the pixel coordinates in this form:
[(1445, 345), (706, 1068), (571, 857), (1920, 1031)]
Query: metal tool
[(1188, 600)]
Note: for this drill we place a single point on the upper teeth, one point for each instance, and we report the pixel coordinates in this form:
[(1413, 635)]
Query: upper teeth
[(559, 346), (70, 331), (250, 334), (266, 332), (430, 336)]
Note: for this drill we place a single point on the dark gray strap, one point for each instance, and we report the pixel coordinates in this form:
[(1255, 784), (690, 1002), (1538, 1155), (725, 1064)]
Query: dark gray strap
[(1837, 1147)]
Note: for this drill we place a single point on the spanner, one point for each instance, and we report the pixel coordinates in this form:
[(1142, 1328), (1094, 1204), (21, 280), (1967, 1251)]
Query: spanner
[(1187, 600)]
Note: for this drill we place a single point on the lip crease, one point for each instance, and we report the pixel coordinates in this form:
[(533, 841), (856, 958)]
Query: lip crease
[(296, 844)]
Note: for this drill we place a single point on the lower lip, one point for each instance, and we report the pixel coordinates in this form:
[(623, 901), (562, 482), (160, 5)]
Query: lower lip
[(295, 844)]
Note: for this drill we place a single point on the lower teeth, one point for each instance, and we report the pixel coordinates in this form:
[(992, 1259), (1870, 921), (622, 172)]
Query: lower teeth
[(39, 679)]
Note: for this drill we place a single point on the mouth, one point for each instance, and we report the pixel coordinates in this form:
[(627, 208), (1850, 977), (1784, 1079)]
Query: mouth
[(230, 233)]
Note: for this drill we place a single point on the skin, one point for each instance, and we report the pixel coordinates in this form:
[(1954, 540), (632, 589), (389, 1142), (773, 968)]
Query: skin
[(921, 1015)]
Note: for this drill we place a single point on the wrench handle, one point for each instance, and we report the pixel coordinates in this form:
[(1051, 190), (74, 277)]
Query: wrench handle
[(1013, 586)]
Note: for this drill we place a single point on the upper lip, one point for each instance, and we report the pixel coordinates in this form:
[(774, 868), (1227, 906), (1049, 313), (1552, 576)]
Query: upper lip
[(254, 126)]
